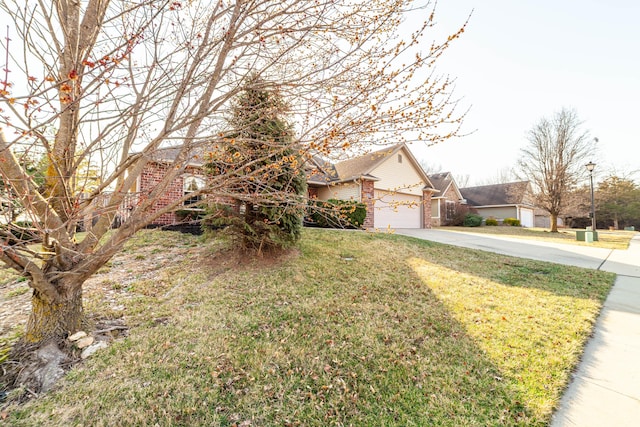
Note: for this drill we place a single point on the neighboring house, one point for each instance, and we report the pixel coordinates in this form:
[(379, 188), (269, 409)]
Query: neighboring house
[(448, 203), (543, 219), (190, 180), (500, 201), (392, 184)]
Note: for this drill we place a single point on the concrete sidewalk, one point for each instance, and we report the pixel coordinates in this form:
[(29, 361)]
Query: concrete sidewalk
[(605, 389)]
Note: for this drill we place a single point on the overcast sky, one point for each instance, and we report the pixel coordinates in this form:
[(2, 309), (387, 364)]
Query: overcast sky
[(521, 60)]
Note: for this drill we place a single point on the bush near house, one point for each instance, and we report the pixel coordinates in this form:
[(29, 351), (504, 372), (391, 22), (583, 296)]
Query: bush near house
[(335, 213), (260, 158), (472, 220), (191, 215), (491, 221), (458, 218), (511, 221)]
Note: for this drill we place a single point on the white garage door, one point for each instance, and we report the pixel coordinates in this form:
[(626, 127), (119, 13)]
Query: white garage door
[(392, 210), (526, 217)]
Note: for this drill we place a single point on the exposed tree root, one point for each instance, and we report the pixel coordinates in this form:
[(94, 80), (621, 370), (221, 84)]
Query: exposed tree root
[(34, 369)]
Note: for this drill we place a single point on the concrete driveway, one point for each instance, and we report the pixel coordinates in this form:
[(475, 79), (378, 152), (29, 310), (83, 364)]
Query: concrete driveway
[(615, 261), (605, 389)]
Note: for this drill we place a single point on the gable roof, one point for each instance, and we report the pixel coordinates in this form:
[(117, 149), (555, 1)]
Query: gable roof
[(361, 167), (320, 171), (443, 181), (510, 193), (195, 156)]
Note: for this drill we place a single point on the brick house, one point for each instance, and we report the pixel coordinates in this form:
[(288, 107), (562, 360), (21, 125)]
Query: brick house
[(448, 204), (390, 182), (190, 180)]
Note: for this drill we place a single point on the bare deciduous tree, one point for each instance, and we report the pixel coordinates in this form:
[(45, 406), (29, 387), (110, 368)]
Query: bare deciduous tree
[(463, 180), (110, 82), (554, 160), (501, 176)]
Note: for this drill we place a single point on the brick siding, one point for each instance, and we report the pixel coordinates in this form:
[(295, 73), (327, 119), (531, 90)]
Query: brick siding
[(426, 208), (367, 197), (150, 177)]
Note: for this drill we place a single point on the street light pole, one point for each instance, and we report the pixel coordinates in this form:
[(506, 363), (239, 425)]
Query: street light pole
[(590, 166)]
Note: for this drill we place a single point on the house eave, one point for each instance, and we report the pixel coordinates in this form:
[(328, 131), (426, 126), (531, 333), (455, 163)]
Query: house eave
[(430, 190), (515, 205), (170, 162), (345, 180)]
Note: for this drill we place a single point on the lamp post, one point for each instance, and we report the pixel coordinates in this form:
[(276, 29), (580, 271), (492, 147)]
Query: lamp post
[(590, 166)]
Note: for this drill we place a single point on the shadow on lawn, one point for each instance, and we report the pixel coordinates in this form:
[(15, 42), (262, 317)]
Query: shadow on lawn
[(526, 319), (339, 336), (361, 350), (530, 318), (561, 280)]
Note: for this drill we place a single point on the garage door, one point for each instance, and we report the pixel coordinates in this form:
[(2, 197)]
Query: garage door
[(526, 217), (392, 210)]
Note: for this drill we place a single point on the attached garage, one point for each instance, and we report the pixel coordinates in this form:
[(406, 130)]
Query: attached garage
[(389, 182), (526, 217), (502, 201), (395, 210)]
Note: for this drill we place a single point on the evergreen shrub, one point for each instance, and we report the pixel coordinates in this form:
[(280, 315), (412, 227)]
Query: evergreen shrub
[(472, 220), (335, 213)]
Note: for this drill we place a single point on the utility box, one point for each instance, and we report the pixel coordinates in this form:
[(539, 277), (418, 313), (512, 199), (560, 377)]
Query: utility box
[(583, 235)]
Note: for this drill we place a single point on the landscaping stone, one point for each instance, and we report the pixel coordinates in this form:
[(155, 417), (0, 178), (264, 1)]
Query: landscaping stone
[(85, 342), (77, 336), (89, 351)]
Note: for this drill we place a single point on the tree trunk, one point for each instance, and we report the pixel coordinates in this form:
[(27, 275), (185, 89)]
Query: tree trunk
[(54, 319), (554, 223)]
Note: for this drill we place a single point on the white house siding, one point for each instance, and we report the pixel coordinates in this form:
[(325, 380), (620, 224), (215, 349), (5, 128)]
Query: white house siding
[(498, 213), (525, 215), (395, 210), (348, 191), (543, 221), (398, 176)]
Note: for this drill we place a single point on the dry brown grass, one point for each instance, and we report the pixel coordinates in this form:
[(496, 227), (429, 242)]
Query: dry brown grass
[(355, 329)]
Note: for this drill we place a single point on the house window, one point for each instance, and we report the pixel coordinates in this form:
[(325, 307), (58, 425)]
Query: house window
[(399, 158), (450, 210), (191, 184), (435, 208)]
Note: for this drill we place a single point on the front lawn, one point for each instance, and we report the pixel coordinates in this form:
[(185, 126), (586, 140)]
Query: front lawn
[(356, 329)]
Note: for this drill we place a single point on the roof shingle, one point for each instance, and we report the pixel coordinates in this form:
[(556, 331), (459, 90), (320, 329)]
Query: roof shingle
[(510, 193)]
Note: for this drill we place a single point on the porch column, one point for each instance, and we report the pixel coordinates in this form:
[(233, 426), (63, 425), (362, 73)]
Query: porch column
[(367, 197), (426, 208)]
